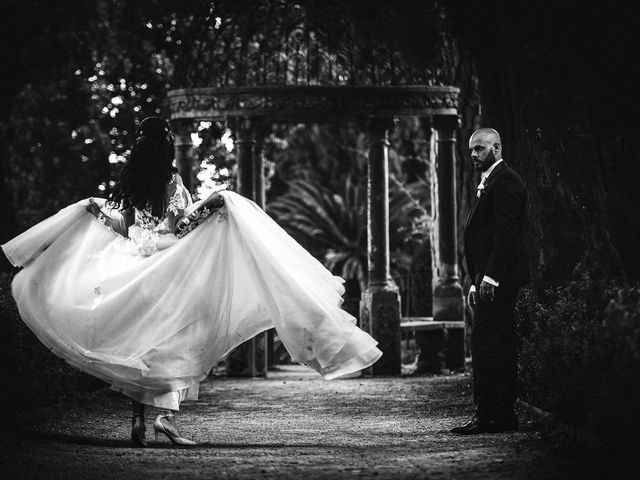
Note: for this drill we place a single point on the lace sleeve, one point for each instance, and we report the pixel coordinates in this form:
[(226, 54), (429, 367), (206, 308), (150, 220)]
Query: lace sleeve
[(177, 202)]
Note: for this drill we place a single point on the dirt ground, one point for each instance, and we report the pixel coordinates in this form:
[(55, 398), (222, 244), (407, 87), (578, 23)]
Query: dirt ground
[(292, 425)]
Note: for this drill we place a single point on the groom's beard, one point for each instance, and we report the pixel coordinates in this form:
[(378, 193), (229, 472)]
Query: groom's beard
[(483, 165)]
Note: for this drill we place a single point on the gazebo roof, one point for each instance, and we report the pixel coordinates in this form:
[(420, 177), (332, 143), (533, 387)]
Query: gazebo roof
[(318, 104)]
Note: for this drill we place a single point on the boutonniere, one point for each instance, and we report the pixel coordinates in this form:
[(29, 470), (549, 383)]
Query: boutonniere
[(480, 189)]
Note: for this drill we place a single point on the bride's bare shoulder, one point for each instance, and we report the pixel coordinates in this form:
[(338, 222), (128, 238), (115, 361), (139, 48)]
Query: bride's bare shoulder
[(176, 179), (174, 185)]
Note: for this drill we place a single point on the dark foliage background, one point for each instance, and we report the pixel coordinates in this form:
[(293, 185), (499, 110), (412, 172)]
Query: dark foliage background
[(580, 359), (554, 79)]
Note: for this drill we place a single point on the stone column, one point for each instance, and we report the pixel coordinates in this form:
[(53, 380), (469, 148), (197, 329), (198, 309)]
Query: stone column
[(242, 361), (245, 142), (258, 172), (264, 341), (258, 195), (380, 303), (183, 151), (447, 292)]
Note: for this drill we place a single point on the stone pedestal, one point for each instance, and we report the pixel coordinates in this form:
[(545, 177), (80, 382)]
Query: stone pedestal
[(271, 354), (380, 317), (248, 359)]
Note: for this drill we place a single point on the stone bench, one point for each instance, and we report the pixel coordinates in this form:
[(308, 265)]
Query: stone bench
[(441, 343)]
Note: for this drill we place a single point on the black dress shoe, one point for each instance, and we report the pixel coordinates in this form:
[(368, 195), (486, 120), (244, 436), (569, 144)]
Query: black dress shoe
[(478, 425), (472, 426)]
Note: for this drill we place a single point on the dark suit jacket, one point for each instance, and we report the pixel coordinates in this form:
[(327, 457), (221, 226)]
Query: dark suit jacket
[(494, 233)]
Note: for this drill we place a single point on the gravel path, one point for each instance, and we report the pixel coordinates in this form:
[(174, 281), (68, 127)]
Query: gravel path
[(292, 425)]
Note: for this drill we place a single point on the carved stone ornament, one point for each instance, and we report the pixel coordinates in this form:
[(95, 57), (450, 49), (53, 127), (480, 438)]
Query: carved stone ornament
[(312, 103)]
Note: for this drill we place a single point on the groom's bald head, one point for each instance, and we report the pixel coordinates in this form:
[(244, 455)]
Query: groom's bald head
[(488, 135), (485, 148)]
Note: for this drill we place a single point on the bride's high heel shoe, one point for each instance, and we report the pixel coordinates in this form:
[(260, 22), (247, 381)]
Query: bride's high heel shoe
[(138, 431), (166, 424)]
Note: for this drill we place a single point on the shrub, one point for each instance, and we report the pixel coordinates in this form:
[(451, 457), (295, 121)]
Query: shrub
[(32, 376), (580, 356)]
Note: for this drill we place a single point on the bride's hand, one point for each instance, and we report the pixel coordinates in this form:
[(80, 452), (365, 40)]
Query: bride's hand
[(216, 202)]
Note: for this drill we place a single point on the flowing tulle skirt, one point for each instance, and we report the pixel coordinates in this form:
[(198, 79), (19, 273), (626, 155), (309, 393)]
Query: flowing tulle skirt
[(153, 326)]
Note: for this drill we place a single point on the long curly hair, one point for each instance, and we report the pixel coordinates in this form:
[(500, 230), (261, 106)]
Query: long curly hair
[(144, 178)]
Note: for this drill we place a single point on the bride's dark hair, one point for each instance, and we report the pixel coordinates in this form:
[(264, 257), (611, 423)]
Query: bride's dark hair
[(148, 170)]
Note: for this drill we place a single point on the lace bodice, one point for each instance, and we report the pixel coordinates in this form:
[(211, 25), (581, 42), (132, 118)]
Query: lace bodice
[(147, 228)]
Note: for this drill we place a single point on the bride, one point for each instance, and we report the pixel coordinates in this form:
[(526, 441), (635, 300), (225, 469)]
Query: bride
[(150, 292)]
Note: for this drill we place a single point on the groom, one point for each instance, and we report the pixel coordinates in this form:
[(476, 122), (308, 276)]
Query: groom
[(495, 253)]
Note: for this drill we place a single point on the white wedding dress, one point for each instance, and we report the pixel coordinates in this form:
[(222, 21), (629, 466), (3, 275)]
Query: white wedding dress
[(152, 322)]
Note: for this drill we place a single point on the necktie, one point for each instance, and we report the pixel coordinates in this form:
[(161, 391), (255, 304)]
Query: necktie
[(480, 186)]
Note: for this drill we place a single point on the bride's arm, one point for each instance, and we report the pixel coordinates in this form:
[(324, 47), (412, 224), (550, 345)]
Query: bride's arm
[(212, 203), (119, 225), (179, 211)]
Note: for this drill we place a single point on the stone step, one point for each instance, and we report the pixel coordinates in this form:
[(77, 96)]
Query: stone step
[(415, 324), (441, 343)]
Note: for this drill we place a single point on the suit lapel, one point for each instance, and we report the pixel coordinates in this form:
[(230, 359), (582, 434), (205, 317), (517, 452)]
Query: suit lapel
[(472, 211), (495, 174), (501, 166)]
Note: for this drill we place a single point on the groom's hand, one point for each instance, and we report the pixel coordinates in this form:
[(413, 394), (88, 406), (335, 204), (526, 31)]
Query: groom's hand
[(471, 297), (487, 292)]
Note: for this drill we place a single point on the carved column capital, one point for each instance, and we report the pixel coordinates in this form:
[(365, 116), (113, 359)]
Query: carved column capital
[(426, 122), (377, 128), (182, 130), (446, 123), (183, 150), (245, 129), (263, 127)]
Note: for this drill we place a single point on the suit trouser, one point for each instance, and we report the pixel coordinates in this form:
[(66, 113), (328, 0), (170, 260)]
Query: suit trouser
[(493, 354)]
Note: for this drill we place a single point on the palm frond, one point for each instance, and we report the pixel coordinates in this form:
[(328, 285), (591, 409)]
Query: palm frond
[(333, 226)]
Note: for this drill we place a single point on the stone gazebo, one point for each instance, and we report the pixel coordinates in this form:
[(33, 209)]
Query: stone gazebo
[(249, 112)]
